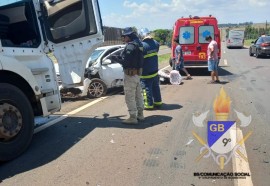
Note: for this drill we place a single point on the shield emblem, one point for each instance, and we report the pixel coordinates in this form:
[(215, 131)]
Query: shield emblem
[(221, 136)]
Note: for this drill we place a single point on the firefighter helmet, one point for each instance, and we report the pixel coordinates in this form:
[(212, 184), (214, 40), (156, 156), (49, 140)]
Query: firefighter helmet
[(144, 32)]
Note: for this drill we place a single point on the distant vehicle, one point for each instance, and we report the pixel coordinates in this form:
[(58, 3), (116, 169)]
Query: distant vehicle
[(101, 72), (235, 39), (192, 32), (260, 47)]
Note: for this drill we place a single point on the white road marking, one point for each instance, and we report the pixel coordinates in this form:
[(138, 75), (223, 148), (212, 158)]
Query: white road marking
[(42, 127), (165, 67), (240, 165), (225, 62)]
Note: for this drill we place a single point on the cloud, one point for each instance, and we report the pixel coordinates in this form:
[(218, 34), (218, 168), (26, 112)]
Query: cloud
[(259, 2), (163, 13)]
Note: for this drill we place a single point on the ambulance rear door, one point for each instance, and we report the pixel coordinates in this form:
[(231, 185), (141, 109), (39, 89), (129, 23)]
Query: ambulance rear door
[(188, 43), (72, 30), (203, 31)]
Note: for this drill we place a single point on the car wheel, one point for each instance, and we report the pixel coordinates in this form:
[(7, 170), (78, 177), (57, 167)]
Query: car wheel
[(16, 122), (97, 88), (250, 53), (257, 54)]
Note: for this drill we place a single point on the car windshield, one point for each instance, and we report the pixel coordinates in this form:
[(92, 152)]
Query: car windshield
[(266, 39), (95, 55)]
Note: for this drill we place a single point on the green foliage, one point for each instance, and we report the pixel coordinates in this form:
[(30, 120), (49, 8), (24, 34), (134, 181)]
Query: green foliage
[(253, 33), (163, 36), (164, 58), (248, 42)]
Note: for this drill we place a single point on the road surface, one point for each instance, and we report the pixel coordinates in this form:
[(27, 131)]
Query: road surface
[(90, 146)]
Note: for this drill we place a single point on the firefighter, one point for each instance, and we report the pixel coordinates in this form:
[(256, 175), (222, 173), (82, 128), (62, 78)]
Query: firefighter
[(132, 59), (149, 77)]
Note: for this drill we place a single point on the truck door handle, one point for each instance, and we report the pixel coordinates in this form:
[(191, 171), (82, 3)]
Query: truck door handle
[(199, 48)]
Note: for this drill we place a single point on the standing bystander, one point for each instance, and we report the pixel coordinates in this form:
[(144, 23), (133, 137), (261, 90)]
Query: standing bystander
[(179, 58), (212, 53)]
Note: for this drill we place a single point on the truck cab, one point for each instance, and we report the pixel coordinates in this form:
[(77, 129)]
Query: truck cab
[(191, 32), (30, 30)]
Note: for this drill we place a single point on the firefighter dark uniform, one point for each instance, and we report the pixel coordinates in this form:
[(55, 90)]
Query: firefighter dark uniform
[(132, 60), (149, 77)]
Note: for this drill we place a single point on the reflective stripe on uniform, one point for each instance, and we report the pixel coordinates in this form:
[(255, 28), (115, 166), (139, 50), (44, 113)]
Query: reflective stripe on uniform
[(157, 103), (150, 55), (145, 98), (146, 104), (149, 76), (148, 107)]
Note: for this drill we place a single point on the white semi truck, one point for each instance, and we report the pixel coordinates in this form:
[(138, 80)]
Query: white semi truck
[(29, 30)]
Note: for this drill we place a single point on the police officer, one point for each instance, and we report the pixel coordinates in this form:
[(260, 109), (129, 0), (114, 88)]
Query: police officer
[(132, 61), (149, 77)]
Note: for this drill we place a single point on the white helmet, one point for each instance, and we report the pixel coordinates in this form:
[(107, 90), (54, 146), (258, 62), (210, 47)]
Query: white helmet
[(144, 32)]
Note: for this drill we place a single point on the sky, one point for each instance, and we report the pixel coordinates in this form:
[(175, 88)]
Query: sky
[(161, 14)]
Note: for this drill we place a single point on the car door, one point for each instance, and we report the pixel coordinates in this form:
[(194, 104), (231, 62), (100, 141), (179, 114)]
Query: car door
[(72, 29), (111, 72)]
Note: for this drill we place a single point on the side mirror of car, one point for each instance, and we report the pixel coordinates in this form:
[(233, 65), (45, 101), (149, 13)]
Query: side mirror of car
[(106, 62), (252, 42)]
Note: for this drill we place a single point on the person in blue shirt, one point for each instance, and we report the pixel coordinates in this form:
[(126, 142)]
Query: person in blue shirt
[(149, 77), (179, 58)]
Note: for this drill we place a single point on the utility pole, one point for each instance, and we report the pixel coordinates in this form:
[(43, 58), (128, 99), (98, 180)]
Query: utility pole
[(266, 28)]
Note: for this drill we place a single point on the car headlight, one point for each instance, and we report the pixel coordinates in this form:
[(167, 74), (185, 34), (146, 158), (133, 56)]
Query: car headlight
[(93, 70)]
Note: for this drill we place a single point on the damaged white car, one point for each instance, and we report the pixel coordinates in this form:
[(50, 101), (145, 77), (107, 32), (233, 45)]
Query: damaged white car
[(101, 72)]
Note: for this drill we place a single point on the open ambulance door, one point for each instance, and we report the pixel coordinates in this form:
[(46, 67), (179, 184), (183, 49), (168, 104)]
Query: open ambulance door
[(73, 29)]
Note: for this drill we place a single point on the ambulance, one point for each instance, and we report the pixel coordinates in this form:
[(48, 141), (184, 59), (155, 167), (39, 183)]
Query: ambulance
[(191, 32)]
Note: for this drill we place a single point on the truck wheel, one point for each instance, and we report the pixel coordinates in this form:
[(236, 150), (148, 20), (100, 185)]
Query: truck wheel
[(97, 88), (16, 122)]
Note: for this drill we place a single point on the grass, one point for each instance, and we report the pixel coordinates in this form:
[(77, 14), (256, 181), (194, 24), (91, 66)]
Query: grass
[(248, 42), (163, 47), (164, 58)]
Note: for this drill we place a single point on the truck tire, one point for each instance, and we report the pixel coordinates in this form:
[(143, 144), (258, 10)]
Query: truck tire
[(16, 122), (97, 88)]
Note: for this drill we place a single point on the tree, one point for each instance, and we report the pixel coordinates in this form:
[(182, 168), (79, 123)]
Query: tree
[(163, 36)]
